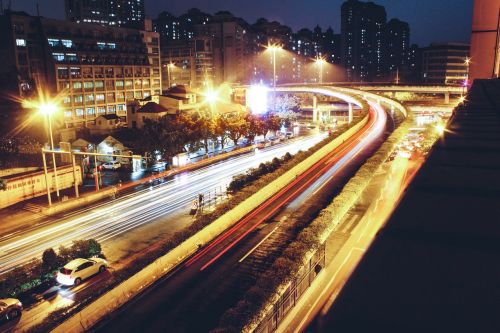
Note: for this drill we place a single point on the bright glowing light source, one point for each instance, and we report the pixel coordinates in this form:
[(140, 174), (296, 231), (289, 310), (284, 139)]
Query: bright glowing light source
[(440, 129), (211, 96), (320, 61), (47, 108), (256, 97), (274, 47), (404, 154)]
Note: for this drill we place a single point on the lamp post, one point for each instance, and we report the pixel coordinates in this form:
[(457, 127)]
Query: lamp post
[(273, 48), (48, 109), (169, 67), (320, 62), (466, 81)]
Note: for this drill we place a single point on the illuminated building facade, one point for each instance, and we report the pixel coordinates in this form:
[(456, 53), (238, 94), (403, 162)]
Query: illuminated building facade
[(95, 69), (119, 13)]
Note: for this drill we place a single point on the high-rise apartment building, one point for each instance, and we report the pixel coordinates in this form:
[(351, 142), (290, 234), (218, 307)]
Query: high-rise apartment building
[(362, 30), (445, 63), (120, 13), (172, 28), (231, 46), (92, 69), (187, 63), (397, 44)]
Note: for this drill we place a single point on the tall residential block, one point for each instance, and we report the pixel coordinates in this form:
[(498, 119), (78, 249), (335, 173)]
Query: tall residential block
[(120, 13), (362, 30), (92, 69), (397, 45)]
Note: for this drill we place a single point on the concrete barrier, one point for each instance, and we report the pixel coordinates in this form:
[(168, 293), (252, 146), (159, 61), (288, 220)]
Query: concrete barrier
[(84, 200), (131, 287)]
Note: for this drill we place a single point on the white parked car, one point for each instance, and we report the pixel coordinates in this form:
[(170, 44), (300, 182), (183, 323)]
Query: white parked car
[(112, 165), (10, 308), (77, 270)]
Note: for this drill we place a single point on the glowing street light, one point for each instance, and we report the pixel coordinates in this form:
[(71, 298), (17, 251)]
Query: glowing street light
[(211, 96), (466, 81), (320, 62), (440, 128), (274, 48), (169, 66), (48, 109)]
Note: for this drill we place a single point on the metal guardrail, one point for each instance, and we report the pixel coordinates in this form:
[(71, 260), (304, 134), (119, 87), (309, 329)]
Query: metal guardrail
[(292, 294)]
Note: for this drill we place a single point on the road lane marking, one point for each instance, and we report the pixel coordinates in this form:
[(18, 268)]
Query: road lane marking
[(256, 246)]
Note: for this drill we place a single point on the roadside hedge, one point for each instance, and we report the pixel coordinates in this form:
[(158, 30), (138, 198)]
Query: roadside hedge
[(37, 272), (253, 306)]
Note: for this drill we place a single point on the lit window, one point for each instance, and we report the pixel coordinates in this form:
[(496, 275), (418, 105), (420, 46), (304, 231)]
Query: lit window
[(58, 56), (53, 42), (20, 42), (67, 43)]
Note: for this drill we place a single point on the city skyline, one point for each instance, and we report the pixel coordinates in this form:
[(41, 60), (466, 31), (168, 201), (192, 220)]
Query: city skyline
[(423, 16), (236, 166)]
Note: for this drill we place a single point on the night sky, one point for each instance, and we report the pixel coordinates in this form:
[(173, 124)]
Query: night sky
[(430, 20)]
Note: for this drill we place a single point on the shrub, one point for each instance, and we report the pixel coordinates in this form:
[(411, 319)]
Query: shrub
[(50, 260)]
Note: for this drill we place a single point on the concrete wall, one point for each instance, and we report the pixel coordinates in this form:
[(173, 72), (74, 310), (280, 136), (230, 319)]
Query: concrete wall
[(484, 39), (115, 298)]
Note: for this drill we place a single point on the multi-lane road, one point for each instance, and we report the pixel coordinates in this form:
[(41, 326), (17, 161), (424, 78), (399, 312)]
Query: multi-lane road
[(109, 220), (192, 298), (127, 215)]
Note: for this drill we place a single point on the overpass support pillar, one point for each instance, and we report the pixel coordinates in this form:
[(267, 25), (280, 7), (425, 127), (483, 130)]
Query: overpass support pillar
[(315, 109), (447, 97), (350, 113)]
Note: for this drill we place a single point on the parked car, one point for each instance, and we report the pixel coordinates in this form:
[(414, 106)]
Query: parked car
[(114, 165), (10, 308), (77, 270), (289, 135)]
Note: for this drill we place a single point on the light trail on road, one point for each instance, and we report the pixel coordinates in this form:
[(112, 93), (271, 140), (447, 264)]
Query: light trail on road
[(184, 299), (314, 177), (109, 220)]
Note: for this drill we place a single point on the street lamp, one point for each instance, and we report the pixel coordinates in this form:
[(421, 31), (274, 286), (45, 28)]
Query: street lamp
[(48, 109), (320, 62), (273, 48), (466, 81), (170, 66)]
